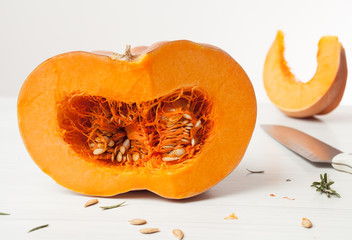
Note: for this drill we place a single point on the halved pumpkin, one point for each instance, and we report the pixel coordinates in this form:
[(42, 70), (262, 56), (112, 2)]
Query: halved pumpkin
[(174, 118), (321, 94)]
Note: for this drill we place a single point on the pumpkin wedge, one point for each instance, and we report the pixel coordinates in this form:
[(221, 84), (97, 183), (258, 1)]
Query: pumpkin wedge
[(321, 94), (174, 118)]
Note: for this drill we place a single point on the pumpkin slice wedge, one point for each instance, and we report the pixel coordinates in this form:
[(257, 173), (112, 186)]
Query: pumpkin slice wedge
[(321, 94), (174, 118)]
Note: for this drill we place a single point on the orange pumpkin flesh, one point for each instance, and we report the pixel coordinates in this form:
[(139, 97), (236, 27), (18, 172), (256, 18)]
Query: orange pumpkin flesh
[(321, 94), (188, 111)]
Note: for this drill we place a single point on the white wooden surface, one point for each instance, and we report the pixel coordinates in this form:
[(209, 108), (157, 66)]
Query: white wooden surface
[(33, 198)]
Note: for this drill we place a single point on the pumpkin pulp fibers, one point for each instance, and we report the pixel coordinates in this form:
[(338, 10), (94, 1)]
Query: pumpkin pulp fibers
[(165, 131)]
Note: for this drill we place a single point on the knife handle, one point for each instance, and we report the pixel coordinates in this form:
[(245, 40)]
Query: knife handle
[(343, 162)]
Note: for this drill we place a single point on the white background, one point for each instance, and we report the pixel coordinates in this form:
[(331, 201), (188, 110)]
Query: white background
[(32, 31)]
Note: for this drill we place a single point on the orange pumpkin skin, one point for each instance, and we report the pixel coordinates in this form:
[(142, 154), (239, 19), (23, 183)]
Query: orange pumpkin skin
[(321, 95), (69, 82)]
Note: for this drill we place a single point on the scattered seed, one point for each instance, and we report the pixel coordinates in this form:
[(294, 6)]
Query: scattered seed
[(92, 145), (193, 142), (128, 157), (187, 116), (126, 143), (178, 234), (111, 143), (169, 159), (122, 150), (198, 124), (98, 151), (190, 125), (98, 139), (185, 122), (137, 221), (119, 157), (135, 156), (39, 227), (91, 202), (306, 223), (112, 157), (148, 230), (179, 152), (123, 158), (185, 140), (107, 139)]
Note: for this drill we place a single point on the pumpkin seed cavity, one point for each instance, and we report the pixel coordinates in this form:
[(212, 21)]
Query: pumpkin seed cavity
[(165, 131)]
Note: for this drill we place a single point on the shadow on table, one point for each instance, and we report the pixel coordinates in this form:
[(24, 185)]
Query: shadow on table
[(231, 185)]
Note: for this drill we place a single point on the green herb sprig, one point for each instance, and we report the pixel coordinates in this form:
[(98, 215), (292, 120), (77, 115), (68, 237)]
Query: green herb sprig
[(1, 213), (113, 206), (324, 186)]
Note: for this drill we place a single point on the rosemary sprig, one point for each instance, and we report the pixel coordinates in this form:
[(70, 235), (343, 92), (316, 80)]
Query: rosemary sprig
[(39, 227), (324, 186), (113, 206), (1, 213), (250, 171)]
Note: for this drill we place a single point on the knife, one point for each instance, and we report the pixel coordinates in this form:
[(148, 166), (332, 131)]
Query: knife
[(309, 147)]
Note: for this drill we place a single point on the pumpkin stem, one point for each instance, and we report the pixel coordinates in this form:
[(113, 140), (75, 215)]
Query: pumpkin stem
[(127, 56)]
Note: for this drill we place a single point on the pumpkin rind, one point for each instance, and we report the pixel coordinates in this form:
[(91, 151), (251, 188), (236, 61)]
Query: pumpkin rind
[(321, 94), (156, 72)]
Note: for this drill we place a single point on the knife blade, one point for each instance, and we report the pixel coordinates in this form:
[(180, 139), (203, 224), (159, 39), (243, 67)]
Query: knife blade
[(309, 147)]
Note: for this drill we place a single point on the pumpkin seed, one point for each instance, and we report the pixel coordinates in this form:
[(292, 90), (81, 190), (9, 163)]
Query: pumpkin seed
[(179, 152), (149, 230), (135, 156), (127, 143), (169, 159), (111, 143), (122, 150), (98, 151), (116, 149), (168, 146), (178, 234), (187, 116), (306, 223), (193, 142), (91, 202), (119, 157), (137, 221), (198, 124)]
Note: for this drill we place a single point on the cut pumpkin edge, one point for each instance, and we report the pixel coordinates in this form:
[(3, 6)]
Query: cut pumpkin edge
[(277, 72)]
